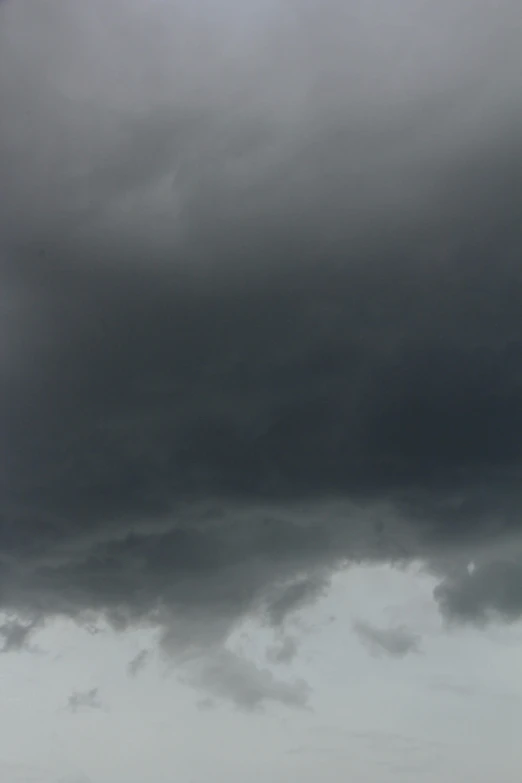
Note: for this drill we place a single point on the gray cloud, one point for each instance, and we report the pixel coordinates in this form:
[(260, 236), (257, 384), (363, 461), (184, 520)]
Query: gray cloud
[(16, 635), (492, 589), (396, 642), (260, 311), (138, 662), (231, 677), (81, 700), (284, 651), (289, 598)]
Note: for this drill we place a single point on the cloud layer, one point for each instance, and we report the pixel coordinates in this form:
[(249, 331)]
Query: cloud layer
[(260, 306)]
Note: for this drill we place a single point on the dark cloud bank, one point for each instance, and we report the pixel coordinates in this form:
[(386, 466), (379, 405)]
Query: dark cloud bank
[(261, 287)]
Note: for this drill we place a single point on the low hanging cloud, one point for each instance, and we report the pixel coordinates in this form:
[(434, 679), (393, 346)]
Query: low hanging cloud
[(396, 642), (492, 590), (16, 635), (289, 598), (260, 308), (232, 678)]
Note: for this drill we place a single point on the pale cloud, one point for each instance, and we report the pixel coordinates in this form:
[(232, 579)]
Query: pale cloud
[(85, 700)]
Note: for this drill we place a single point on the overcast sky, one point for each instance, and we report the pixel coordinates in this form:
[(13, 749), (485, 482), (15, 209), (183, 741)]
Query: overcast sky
[(261, 390)]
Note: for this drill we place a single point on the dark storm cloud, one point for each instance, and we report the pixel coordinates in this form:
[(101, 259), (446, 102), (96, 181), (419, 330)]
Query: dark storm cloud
[(260, 303), (492, 589), (396, 642)]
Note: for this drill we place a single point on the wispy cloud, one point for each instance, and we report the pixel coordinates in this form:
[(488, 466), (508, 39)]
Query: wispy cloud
[(85, 700), (396, 642), (138, 662)]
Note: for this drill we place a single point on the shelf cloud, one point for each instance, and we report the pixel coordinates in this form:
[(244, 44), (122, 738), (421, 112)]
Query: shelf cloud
[(260, 308)]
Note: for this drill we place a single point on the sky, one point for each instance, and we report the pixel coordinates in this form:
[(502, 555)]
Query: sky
[(261, 396)]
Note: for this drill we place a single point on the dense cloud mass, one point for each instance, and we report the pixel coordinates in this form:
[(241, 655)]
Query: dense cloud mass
[(260, 307)]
